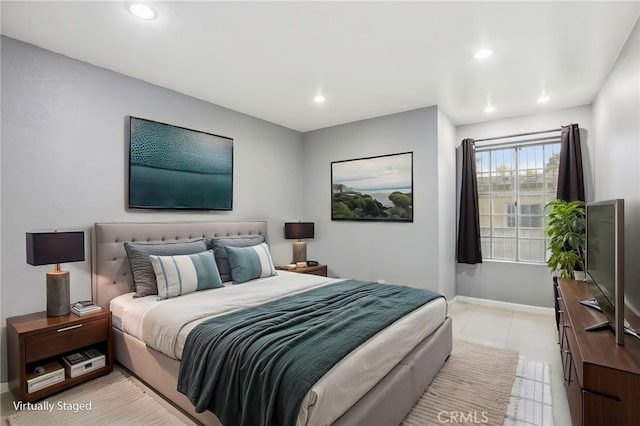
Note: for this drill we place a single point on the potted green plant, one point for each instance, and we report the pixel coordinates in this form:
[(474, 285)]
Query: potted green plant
[(566, 227)]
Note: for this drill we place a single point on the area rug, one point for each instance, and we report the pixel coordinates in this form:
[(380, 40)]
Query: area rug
[(472, 387), (109, 400)]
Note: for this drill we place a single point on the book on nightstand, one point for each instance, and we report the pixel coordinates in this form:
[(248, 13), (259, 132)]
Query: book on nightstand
[(289, 267), (74, 358), (85, 307)]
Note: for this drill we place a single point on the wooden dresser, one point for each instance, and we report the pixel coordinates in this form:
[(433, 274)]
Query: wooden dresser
[(602, 379)]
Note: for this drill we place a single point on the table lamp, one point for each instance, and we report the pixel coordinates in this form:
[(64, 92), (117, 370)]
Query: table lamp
[(48, 248), (299, 231)]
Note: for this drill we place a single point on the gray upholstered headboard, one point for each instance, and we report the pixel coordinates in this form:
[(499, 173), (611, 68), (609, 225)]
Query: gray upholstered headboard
[(111, 274)]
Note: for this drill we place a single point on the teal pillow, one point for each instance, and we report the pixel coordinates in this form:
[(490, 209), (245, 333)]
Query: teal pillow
[(218, 245), (248, 263), (177, 275)]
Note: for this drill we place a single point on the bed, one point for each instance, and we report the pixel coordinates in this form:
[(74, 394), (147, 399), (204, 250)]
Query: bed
[(363, 388)]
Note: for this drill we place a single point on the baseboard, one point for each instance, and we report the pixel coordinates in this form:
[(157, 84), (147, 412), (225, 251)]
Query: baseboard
[(504, 305)]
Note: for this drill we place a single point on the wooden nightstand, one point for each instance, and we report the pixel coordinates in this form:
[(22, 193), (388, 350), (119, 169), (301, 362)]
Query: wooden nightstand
[(313, 270), (35, 339)]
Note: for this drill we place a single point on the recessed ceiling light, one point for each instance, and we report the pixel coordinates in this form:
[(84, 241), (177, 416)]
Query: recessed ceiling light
[(319, 99), (142, 11), (489, 108), (483, 54), (544, 98)]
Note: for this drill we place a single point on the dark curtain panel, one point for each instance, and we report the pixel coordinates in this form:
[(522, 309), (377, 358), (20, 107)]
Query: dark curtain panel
[(469, 225), (570, 178)]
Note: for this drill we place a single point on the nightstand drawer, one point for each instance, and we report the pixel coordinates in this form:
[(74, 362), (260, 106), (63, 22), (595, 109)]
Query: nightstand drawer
[(65, 338)]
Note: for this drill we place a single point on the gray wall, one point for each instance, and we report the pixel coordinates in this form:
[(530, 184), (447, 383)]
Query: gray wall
[(403, 253), (616, 117), (447, 225), (64, 163), (528, 284)]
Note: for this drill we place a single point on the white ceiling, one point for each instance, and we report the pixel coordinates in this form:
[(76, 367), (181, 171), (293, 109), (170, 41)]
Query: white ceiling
[(269, 59)]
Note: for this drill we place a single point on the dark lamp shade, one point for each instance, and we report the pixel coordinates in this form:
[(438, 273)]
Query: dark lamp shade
[(48, 248), (298, 230)]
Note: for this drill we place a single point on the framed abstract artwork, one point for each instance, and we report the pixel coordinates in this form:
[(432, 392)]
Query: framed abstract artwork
[(373, 188), (171, 167)]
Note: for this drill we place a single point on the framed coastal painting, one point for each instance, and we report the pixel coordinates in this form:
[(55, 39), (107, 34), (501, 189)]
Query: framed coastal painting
[(171, 167), (373, 188)]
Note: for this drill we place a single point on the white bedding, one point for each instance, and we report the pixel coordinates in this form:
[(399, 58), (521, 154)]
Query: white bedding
[(164, 326)]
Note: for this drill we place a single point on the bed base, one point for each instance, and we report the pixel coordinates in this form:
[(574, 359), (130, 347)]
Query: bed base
[(386, 404)]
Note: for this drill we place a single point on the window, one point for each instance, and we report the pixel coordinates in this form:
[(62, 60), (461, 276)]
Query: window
[(514, 185), (532, 215)]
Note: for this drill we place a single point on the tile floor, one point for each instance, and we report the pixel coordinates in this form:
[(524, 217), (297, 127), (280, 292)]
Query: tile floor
[(532, 335)]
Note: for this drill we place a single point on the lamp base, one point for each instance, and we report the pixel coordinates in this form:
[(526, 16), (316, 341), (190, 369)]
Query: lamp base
[(58, 298), (299, 252)]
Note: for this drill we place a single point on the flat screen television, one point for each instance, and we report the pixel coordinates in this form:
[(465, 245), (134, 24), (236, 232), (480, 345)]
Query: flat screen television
[(171, 167), (605, 261)]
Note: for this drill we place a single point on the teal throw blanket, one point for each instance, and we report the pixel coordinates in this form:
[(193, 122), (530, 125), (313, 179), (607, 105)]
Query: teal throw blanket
[(254, 366)]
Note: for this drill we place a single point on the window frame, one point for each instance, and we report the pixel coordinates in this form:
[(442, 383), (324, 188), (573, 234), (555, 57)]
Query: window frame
[(518, 193)]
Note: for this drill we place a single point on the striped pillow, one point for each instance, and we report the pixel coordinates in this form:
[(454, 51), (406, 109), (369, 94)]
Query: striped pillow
[(248, 263), (184, 274)]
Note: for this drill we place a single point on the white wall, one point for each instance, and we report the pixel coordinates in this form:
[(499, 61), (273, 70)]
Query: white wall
[(616, 118), (402, 253), (64, 160), (528, 284)]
